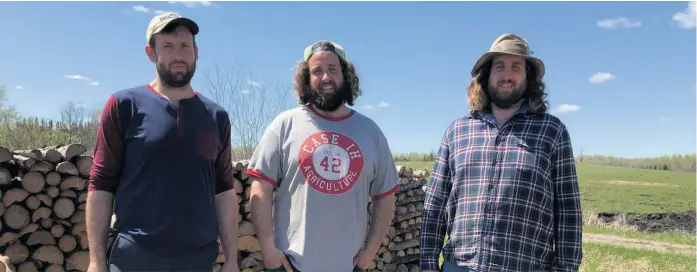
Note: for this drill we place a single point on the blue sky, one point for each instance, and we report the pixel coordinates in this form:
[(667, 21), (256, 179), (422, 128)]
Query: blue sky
[(620, 75)]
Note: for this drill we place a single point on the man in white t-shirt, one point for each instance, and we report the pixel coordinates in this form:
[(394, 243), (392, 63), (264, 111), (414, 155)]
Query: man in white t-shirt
[(325, 162)]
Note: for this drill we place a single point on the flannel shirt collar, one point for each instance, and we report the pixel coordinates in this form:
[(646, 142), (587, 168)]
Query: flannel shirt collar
[(488, 115)]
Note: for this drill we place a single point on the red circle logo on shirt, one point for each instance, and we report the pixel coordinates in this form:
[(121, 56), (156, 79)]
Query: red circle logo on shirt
[(331, 162)]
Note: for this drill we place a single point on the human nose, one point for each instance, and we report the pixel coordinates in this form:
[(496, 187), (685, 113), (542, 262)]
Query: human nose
[(178, 56), (325, 76)]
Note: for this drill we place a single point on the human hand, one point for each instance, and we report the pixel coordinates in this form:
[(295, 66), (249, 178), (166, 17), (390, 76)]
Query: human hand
[(97, 267), (363, 259), (230, 267), (275, 258)]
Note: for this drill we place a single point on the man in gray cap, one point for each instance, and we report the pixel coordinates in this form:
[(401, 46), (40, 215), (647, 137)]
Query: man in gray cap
[(163, 158), (504, 187)]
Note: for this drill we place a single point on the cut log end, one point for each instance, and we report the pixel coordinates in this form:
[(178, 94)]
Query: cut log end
[(16, 217), (5, 154), (5, 176), (50, 254)]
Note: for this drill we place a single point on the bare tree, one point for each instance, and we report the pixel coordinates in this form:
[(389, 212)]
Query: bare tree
[(72, 116), (251, 105), (81, 124), (8, 116)]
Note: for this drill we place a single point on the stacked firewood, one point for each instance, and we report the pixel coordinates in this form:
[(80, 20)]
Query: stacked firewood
[(42, 212), (399, 250), (249, 256)]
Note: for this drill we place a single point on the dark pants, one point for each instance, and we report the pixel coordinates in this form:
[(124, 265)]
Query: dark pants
[(126, 256), (283, 269)]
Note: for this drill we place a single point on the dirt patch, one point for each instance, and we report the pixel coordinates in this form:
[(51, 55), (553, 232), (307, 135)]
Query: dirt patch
[(652, 222), (641, 183), (637, 243)]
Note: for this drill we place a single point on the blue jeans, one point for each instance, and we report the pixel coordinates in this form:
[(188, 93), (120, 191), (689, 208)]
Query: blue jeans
[(127, 256), (452, 267)]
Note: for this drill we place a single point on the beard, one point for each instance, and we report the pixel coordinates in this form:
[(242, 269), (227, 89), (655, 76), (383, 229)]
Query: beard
[(504, 100), (327, 101), (176, 79)]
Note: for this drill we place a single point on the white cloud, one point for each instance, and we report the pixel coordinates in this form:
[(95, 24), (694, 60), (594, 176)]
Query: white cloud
[(601, 77), (255, 83), (19, 87), (619, 22), (383, 105), (83, 78), (77, 77), (140, 8), (663, 119), (145, 9), (245, 91), (687, 18), (567, 108), (193, 4)]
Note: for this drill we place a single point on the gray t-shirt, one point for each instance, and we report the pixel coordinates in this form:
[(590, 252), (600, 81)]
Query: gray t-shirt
[(325, 170)]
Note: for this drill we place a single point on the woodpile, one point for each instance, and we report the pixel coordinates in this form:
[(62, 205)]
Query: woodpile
[(249, 257), (399, 250), (42, 212)]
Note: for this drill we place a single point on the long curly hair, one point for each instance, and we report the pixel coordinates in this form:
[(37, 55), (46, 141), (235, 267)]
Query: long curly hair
[(302, 81), (534, 91)]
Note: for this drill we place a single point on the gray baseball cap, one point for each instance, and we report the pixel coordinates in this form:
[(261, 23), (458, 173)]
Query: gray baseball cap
[(159, 22)]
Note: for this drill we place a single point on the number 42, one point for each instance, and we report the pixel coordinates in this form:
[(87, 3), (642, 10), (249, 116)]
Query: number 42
[(336, 162)]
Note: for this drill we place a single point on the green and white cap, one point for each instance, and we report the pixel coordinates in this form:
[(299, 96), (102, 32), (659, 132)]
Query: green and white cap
[(159, 22), (319, 46)]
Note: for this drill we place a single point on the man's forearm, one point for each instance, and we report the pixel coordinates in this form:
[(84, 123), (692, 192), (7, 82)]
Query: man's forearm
[(228, 212), (380, 221), (97, 220), (261, 201)]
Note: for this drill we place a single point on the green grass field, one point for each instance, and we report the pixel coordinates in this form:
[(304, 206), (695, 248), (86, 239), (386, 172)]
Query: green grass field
[(617, 189)]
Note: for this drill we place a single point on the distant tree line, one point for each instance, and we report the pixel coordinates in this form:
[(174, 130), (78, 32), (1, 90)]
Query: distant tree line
[(677, 162), (415, 156), (79, 125)]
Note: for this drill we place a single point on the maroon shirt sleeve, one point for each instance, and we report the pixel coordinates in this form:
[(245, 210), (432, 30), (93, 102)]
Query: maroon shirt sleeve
[(224, 178), (108, 150)]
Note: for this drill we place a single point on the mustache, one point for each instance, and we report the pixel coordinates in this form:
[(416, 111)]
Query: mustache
[(332, 83), (179, 62)]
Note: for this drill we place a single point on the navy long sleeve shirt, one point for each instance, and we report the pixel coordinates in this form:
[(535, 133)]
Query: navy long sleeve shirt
[(164, 164)]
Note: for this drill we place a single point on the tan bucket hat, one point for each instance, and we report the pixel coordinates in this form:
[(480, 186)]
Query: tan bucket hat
[(510, 44)]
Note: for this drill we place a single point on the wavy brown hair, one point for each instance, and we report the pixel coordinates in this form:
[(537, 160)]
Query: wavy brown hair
[(302, 80), (534, 91)]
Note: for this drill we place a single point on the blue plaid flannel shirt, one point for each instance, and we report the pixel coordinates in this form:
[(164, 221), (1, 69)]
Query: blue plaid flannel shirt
[(507, 196)]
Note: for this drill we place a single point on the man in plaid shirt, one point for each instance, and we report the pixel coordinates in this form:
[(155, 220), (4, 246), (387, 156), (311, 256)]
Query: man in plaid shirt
[(504, 188)]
